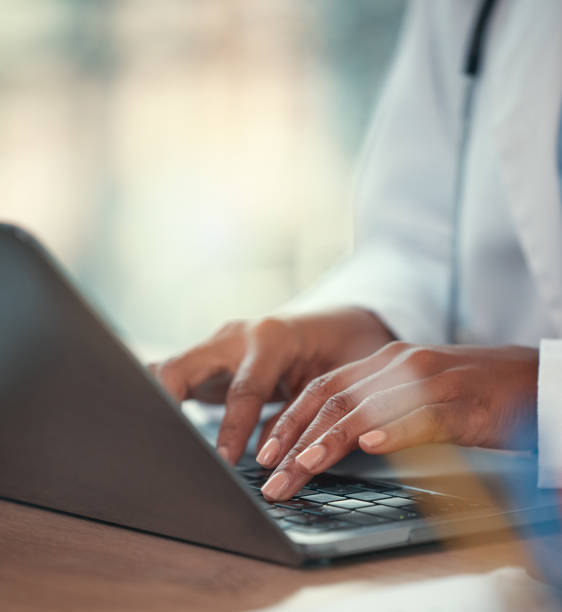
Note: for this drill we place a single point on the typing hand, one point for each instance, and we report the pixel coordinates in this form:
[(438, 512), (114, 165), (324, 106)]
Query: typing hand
[(401, 396), (248, 363)]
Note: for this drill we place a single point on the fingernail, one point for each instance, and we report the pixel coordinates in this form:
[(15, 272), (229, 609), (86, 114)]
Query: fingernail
[(223, 452), (373, 438), (312, 456), (269, 452), (275, 486)]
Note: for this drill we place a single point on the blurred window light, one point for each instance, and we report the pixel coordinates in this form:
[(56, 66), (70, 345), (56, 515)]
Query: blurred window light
[(188, 161)]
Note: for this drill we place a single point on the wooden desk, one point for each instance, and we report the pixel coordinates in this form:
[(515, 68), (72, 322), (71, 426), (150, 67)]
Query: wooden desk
[(54, 562)]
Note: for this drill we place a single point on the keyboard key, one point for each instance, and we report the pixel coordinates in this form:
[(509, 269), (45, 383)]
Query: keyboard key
[(280, 512), (349, 504), (303, 492), (297, 504), (243, 469), (315, 486), (326, 510), (325, 480), (253, 484), (397, 502), (322, 498), (368, 496), (315, 511), (397, 514), (340, 489), (256, 474)]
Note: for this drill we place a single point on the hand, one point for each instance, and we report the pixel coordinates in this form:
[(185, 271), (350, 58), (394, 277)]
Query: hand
[(401, 396), (248, 363)]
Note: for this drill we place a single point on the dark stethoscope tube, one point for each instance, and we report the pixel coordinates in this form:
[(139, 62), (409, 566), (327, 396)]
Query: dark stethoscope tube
[(473, 57), (471, 68)]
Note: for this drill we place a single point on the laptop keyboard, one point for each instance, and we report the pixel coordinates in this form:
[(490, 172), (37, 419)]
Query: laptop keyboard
[(330, 503)]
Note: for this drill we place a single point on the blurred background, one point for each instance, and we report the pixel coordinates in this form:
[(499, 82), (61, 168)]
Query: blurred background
[(188, 161)]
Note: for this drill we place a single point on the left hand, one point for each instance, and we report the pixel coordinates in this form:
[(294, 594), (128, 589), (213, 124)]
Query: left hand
[(401, 396)]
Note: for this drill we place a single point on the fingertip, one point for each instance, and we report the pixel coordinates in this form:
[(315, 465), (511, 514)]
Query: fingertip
[(276, 486), (312, 458), (224, 453), (165, 375), (269, 453), (372, 441)]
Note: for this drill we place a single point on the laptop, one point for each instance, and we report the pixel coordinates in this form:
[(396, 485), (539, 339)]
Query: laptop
[(85, 429)]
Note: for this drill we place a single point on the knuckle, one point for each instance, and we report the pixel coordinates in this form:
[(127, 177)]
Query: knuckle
[(340, 436), (243, 389), (296, 450), (319, 387), (288, 421), (422, 359), (396, 347), (337, 406)]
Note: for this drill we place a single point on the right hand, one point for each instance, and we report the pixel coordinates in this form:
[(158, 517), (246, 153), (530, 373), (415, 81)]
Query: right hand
[(248, 363)]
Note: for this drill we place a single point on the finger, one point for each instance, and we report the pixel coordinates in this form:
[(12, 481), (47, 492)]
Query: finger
[(268, 426), (412, 393), (293, 475), (426, 424), (382, 397), (283, 484), (327, 388), (375, 410), (252, 386), (301, 413), (181, 375), (290, 475)]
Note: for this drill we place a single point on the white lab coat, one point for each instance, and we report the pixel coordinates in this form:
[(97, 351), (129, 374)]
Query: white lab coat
[(509, 238)]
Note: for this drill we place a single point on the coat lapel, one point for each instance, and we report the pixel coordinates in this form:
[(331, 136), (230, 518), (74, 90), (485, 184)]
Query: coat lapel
[(527, 74)]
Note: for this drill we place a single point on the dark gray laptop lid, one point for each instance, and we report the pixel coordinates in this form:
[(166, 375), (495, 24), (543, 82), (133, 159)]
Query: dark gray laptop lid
[(84, 429)]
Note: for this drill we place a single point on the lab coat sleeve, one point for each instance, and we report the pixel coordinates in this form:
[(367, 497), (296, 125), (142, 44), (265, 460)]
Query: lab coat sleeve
[(401, 261), (550, 414)]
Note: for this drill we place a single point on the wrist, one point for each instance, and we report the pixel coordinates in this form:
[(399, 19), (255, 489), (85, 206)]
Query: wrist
[(340, 335), (367, 333)]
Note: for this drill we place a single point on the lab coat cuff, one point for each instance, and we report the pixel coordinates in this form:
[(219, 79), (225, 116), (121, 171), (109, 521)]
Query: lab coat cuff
[(383, 282), (550, 414)]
